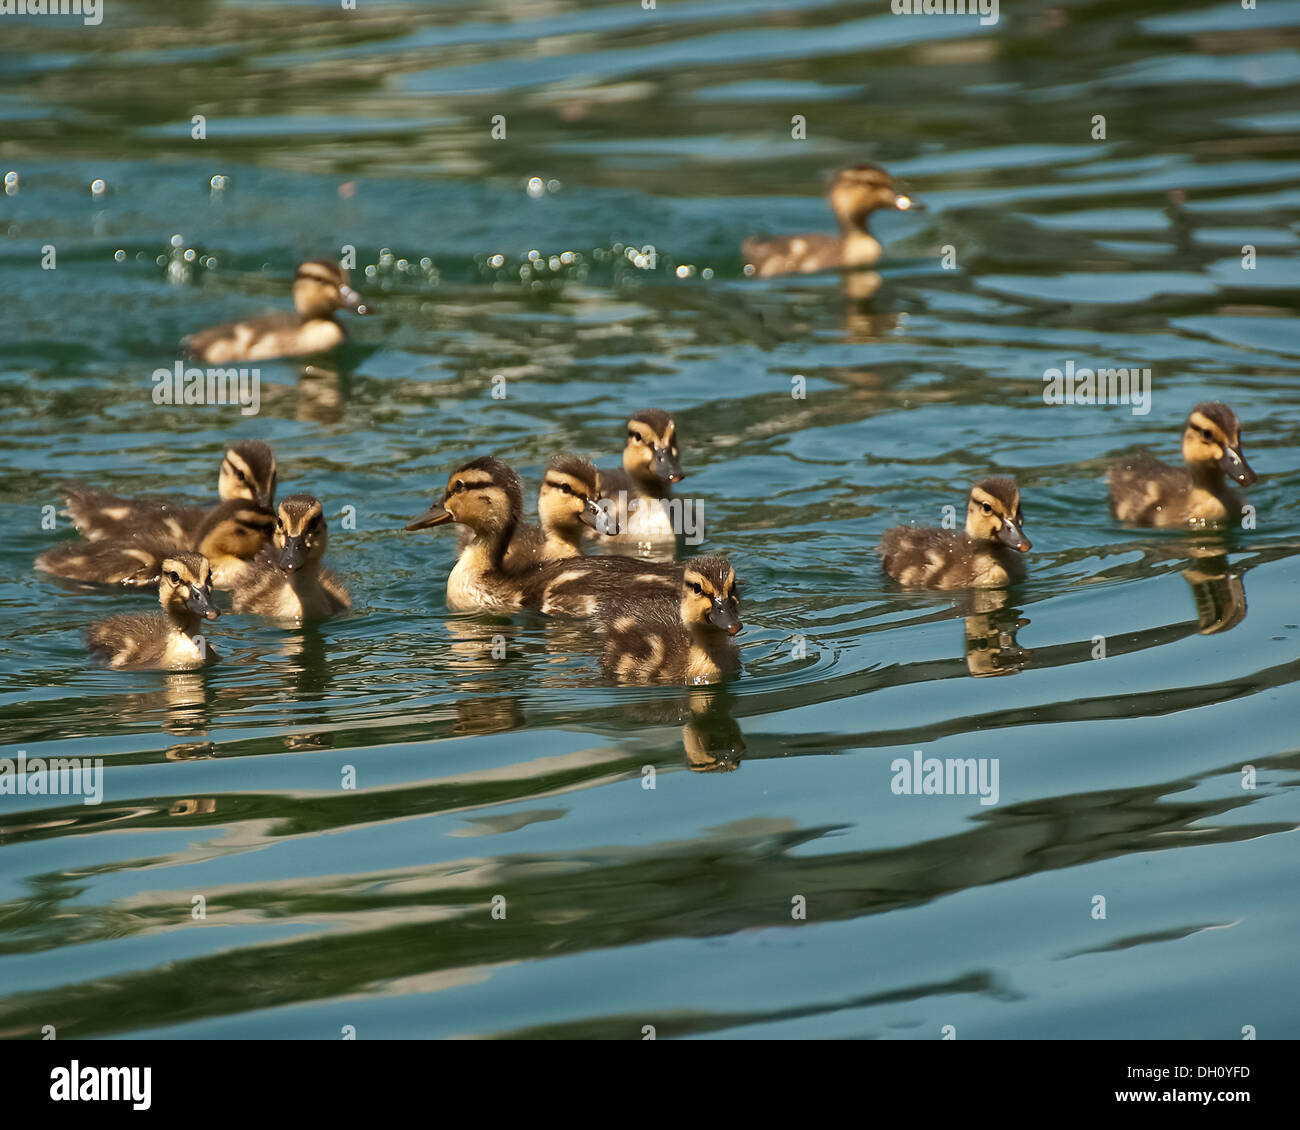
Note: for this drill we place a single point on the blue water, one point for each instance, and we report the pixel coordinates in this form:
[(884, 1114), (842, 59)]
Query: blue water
[(1120, 777)]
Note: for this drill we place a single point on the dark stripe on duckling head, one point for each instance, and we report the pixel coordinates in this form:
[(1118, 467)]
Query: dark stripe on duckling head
[(1216, 415), (660, 421), (298, 513), (322, 270), (485, 472), (1002, 492), (580, 472)]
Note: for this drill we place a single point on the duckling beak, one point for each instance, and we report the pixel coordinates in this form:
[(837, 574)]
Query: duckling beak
[(436, 515), (720, 616), (666, 467), (200, 604), (1014, 536), (292, 555), (1234, 465), (907, 204), (352, 301), (593, 515)]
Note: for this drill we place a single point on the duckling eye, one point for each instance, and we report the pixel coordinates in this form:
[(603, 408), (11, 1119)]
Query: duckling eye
[(986, 508), (174, 578), (1206, 433), (696, 588)]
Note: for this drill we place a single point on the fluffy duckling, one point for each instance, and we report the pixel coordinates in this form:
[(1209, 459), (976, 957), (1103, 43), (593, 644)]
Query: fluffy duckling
[(248, 472), (855, 193), (980, 557), (290, 584), (171, 641), (1147, 492), (566, 508), (229, 537), (635, 498), (684, 637), (320, 289), (486, 496)]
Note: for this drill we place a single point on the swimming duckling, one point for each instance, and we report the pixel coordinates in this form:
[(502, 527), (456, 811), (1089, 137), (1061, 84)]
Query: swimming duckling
[(248, 471), (290, 584), (635, 498), (171, 641), (855, 193), (1147, 492), (566, 508), (320, 288), (229, 537), (486, 496), (981, 557), (684, 637)]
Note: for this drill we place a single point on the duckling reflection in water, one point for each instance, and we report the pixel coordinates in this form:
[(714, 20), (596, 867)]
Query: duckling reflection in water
[(320, 290), (290, 584), (486, 496), (248, 473), (856, 192), (170, 641), (990, 627), (1147, 492), (1218, 591), (984, 555), (686, 638)]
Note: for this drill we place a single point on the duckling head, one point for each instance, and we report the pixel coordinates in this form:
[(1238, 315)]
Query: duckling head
[(248, 472), (650, 454), (709, 595), (993, 513), (567, 500), (237, 529), (483, 494), (858, 190), (1213, 437), (320, 286), (301, 534), (185, 586)]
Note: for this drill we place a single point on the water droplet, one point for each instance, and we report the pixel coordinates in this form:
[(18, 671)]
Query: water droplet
[(749, 270), (402, 264), (685, 271), (11, 184), (534, 255), (178, 241), (536, 187), (497, 261), (218, 183), (119, 256), (370, 271), (552, 185), (554, 263), (426, 263), (98, 187), (190, 255), (707, 273), (567, 257)]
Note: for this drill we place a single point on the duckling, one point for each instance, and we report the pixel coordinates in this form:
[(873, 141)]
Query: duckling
[(682, 637), (320, 287), (566, 508), (980, 557), (248, 471), (855, 193), (486, 496), (291, 585), (229, 537), (171, 641), (1147, 492), (636, 497)]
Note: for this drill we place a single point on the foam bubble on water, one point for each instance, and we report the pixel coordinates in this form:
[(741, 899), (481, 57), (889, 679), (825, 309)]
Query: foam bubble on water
[(98, 187), (536, 187)]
